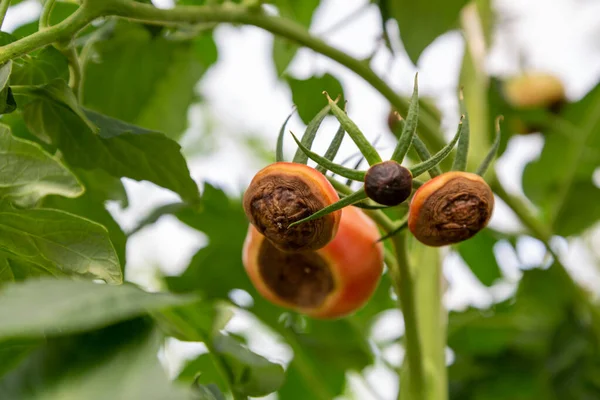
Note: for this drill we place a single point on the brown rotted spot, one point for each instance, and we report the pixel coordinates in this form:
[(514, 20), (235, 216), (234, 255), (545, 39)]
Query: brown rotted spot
[(303, 279), (455, 212), (277, 201)]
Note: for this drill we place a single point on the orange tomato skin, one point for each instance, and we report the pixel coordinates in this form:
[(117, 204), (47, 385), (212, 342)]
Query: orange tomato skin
[(355, 259)]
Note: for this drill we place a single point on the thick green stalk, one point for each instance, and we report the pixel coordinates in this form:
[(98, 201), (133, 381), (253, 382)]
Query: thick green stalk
[(412, 383), (426, 267), (403, 283), (64, 30)]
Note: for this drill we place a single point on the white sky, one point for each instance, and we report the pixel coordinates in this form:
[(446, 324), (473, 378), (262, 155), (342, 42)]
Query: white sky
[(243, 96)]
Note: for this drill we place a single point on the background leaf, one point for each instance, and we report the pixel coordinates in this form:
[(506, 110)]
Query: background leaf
[(157, 76), (421, 22), (28, 173), (121, 149), (40, 67), (560, 180), (53, 307), (307, 94), (58, 241), (478, 254), (299, 11), (118, 362)]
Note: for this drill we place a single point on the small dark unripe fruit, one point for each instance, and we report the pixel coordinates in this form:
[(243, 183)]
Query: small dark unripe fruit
[(388, 183)]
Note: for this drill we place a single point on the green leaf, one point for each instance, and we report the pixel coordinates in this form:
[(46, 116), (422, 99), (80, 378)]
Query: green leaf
[(433, 161), (17, 270), (525, 323), (560, 180), (248, 373), (120, 149), (420, 22), (307, 94), (59, 93), (279, 145), (202, 370), (92, 208), (462, 148), (207, 392), (536, 345), (58, 241), (28, 173), (300, 12), (154, 86), (118, 362), (409, 128), (333, 148), (253, 375), (99, 187), (365, 147), (52, 307), (7, 100), (13, 351), (424, 155), (478, 253), (40, 67), (491, 155)]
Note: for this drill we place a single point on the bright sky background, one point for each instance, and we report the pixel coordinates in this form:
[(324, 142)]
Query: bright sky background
[(244, 96)]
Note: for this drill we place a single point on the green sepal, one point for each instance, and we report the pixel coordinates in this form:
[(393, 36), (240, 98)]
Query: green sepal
[(409, 127), (309, 135), (279, 147), (360, 160), (333, 148), (425, 155), (367, 206), (439, 156), (403, 224), (493, 150), (348, 200), (330, 165), (417, 184), (366, 148), (462, 149)]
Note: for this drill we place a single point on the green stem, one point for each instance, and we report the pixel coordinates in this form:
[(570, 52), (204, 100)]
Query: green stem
[(74, 69), (405, 289), (402, 280), (64, 30), (4, 4), (45, 15)]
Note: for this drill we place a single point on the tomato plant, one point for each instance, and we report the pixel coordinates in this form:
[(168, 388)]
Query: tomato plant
[(316, 253)]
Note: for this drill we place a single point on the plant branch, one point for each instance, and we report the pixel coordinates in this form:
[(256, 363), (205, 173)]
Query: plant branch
[(74, 68), (405, 289), (4, 4), (45, 15), (64, 30)]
